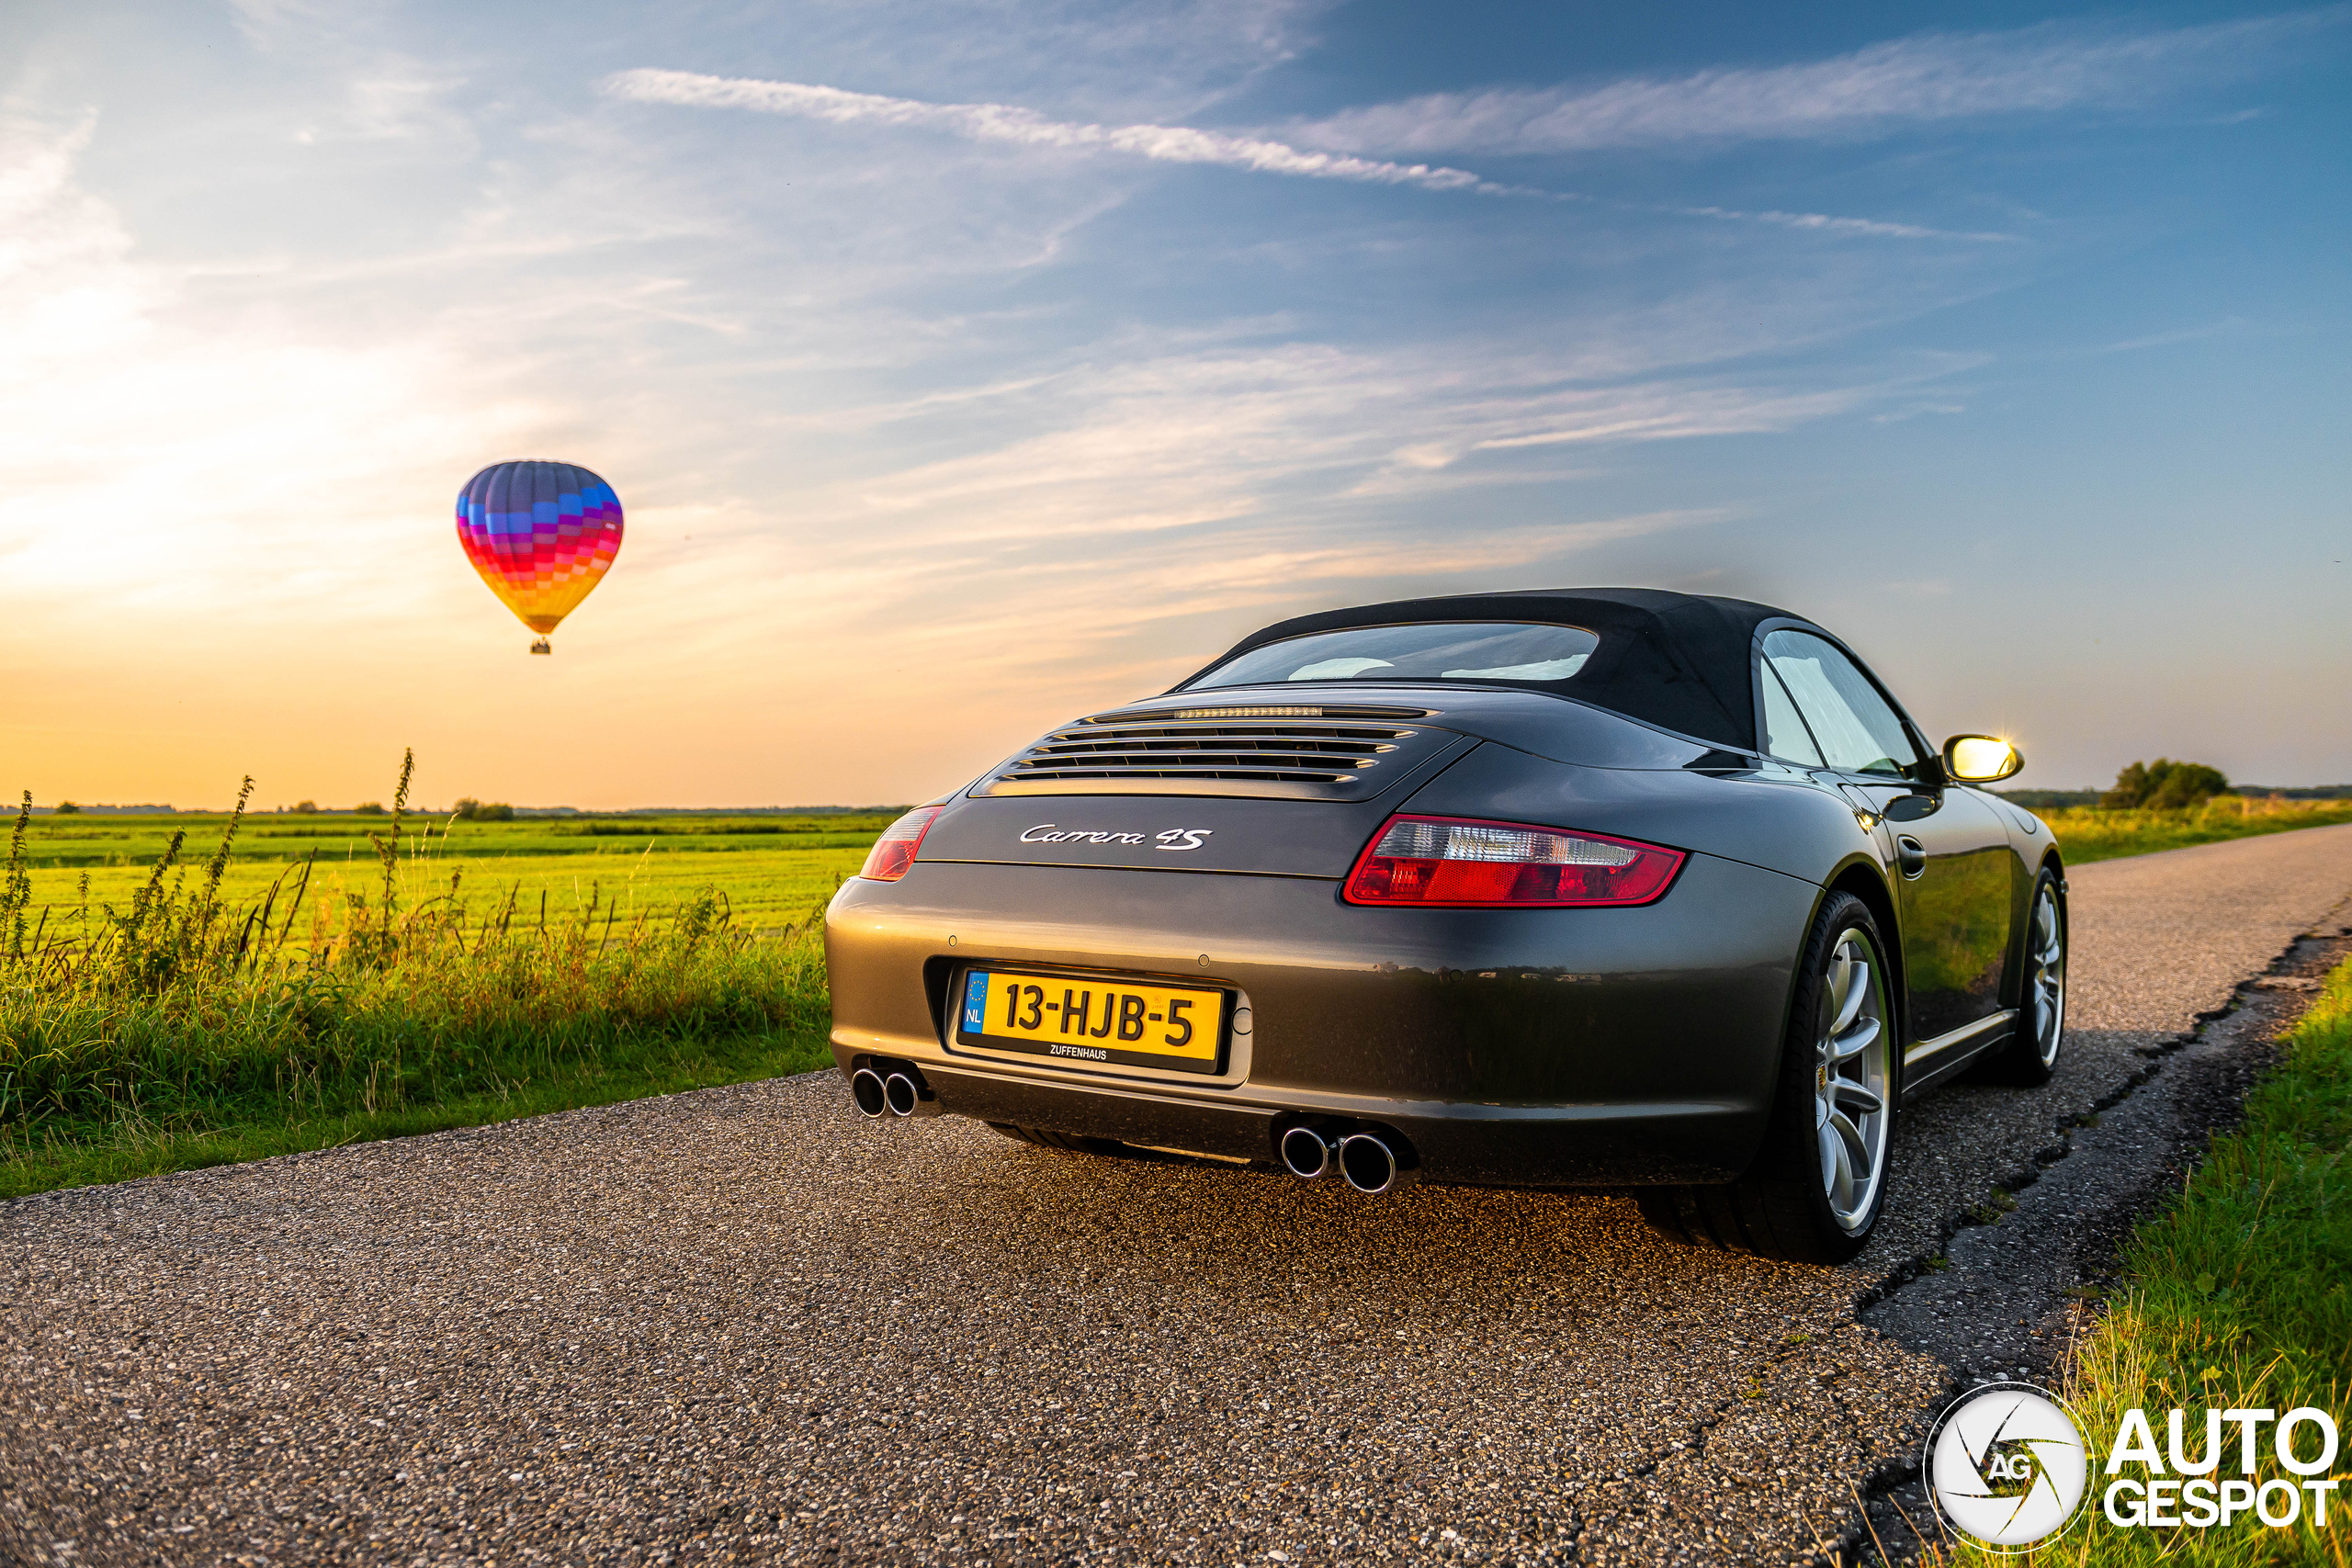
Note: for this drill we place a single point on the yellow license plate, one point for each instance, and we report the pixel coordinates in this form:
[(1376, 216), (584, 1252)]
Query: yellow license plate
[(1089, 1020)]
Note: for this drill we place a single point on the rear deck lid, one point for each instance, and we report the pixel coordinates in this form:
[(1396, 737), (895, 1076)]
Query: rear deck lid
[(1284, 789), (1289, 782)]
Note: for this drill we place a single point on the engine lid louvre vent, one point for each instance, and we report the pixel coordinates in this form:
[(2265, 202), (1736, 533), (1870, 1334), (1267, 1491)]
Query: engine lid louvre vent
[(1298, 752), (1258, 710)]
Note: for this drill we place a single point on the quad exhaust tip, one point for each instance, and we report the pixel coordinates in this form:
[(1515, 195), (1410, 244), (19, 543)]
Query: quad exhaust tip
[(1370, 1165), (873, 1096), (1306, 1153), (901, 1094)]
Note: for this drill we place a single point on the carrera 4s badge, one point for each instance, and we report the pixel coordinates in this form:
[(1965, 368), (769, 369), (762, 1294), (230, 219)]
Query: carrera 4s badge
[(1166, 839)]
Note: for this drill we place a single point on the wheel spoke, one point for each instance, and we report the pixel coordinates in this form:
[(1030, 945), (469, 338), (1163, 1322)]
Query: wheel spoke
[(1858, 991), (1854, 1041), (2047, 949), (1840, 977), (1836, 1172), (1857, 1096), (1857, 1152)]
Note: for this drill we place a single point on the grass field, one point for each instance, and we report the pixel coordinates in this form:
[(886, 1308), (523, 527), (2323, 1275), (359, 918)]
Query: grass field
[(771, 868)]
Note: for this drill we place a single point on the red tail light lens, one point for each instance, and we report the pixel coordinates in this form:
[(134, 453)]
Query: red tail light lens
[(895, 850), (1455, 863)]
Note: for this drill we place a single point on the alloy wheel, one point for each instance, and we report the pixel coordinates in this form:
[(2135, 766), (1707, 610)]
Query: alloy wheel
[(1850, 1080), (2046, 988)]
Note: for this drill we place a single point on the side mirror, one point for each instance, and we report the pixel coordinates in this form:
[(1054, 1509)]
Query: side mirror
[(1981, 759)]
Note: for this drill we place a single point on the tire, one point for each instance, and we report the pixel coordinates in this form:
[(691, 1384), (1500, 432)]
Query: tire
[(1070, 1142), (1817, 1185), (2030, 1058)]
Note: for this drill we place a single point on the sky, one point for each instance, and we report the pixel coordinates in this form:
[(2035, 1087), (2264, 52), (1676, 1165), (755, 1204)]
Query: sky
[(965, 366)]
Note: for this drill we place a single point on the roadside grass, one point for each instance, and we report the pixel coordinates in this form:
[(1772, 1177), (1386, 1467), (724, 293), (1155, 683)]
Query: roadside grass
[(179, 1029), (2086, 833), (2238, 1295), (135, 1145)]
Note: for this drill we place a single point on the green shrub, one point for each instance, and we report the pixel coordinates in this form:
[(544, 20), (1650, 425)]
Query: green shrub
[(2164, 785)]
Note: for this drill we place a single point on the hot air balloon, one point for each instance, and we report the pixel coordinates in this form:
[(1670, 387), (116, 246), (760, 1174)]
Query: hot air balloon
[(541, 534)]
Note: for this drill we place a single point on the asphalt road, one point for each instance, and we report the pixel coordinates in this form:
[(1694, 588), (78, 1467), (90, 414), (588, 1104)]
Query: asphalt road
[(744, 1324)]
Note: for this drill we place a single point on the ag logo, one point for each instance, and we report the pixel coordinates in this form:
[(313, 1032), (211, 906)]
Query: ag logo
[(2005, 1466)]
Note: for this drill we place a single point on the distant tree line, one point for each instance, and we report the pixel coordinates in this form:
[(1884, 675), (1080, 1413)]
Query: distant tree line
[(468, 809)]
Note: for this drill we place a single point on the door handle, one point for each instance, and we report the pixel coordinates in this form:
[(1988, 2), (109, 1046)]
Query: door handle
[(1910, 854)]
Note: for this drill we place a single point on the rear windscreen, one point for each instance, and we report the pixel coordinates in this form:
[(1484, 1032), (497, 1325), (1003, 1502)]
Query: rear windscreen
[(1476, 652)]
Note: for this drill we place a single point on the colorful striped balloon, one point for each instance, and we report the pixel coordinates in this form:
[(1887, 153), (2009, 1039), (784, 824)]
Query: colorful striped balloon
[(541, 534)]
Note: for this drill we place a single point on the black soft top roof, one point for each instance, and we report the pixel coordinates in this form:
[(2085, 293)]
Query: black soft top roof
[(1677, 661)]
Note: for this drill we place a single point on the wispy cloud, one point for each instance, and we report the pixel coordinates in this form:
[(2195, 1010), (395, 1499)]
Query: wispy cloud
[(1666, 414), (1162, 143), (1010, 123), (2184, 335), (1929, 78), (1823, 222), (1237, 436)]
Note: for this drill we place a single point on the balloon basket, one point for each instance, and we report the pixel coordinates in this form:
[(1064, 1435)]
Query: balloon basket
[(541, 645)]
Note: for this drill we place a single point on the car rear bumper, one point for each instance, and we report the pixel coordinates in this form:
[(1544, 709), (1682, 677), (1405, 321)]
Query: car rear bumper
[(1518, 1047)]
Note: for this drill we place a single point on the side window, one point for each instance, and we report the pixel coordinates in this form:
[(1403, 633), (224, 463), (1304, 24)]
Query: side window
[(1784, 735), (1858, 731)]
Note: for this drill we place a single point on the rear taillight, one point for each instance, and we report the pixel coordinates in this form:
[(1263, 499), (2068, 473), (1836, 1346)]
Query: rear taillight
[(1454, 863), (895, 850)]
